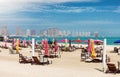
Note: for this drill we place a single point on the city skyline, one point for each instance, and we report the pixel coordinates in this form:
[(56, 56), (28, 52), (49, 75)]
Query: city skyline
[(74, 15), (49, 32)]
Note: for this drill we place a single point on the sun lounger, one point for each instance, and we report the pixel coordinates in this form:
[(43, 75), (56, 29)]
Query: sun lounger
[(39, 61), (97, 60), (112, 68), (24, 59), (83, 56), (115, 49), (51, 54), (4, 47)]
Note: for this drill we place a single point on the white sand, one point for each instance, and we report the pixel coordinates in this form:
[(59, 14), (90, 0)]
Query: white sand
[(69, 65)]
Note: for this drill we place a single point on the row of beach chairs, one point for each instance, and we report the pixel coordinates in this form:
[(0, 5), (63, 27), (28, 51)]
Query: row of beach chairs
[(34, 60), (86, 56)]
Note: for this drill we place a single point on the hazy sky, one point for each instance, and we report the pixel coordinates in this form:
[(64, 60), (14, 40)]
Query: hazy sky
[(75, 15)]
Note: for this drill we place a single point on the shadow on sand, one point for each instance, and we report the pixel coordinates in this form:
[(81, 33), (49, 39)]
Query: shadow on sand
[(99, 69)]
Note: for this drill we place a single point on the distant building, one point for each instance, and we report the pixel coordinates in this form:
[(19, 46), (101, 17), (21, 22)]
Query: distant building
[(28, 33), (96, 34), (43, 32), (53, 32), (18, 30), (4, 31), (33, 32)]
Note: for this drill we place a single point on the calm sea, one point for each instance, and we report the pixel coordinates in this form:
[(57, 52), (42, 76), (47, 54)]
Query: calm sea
[(110, 40)]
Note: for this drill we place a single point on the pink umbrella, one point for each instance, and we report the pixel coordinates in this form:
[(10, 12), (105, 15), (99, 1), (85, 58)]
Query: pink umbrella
[(89, 46), (56, 46), (78, 40), (98, 42), (13, 42), (24, 42), (64, 40), (46, 48), (5, 42), (95, 41)]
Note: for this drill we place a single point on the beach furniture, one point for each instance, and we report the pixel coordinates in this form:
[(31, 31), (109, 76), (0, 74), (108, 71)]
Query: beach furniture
[(112, 68), (88, 57), (4, 47), (115, 49), (51, 55), (83, 54), (24, 59), (67, 49), (39, 61), (57, 54), (119, 51)]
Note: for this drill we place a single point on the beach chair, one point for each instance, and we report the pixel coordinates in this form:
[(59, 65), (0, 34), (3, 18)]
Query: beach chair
[(83, 55), (24, 59), (38, 62), (4, 47), (88, 58), (57, 54), (115, 49), (50, 55), (112, 68)]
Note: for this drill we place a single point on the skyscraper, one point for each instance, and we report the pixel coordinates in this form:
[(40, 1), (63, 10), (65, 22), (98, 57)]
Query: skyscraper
[(28, 32), (33, 32), (4, 31), (53, 32)]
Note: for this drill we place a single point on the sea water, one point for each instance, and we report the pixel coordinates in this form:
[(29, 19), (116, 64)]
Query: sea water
[(110, 40)]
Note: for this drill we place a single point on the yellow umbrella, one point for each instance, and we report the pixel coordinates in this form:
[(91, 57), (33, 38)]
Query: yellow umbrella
[(93, 50), (17, 46)]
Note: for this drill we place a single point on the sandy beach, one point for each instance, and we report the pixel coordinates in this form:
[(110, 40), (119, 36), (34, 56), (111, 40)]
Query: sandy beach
[(69, 65)]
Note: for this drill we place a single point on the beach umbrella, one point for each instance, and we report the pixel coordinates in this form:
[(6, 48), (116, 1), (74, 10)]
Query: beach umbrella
[(89, 46), (42, 42), (95, 41), (24, 42), (5, 43), (66, 43), (70, 43), (46, 47), (104, 55), (5, 40), (49, 41), (78, 40), (93, 49), (33, 46), (53, 40), (56, 45), (98, 42), (117, 41), (64, 40), (13, 42), (17, 45)]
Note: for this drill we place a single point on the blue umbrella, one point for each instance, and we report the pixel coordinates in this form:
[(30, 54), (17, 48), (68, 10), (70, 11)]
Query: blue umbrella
[(117, 41), (49, 42)]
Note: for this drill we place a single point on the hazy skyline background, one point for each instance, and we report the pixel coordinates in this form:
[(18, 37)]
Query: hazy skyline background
[(102, 16)]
